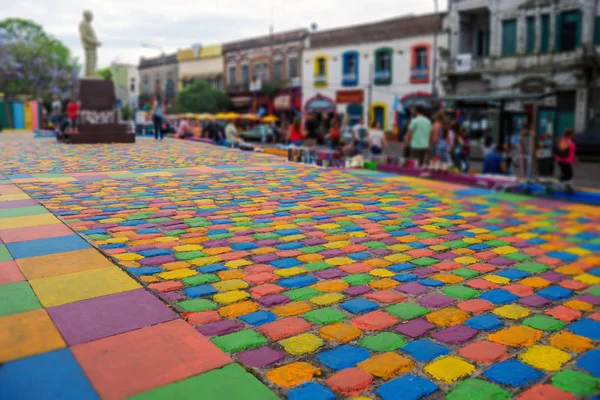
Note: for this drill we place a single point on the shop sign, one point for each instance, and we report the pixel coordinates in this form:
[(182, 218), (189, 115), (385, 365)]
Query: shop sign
[(282, 102), (350, 96)]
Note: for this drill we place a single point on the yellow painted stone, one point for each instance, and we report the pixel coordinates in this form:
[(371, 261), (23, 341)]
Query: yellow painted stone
[(231, 274), (62, 263), (466, 260), (500, 280), (187, 247), (232, 284), (166, 239), (287, 272), (292, 374), (512, 311), (570, 342), (142, 242), (408, 239), (398, 248), (588, 279), (463, 251), (447, 316), (112, 220), (535, 282), (68, 288), (149, 279), (438, 247), (449, 369), (382, 273), (213, 251), (516, 336), (378, 262), (398, 257), (569, 270), (264, 250), (578, 251), (386, 365), (301, 344), (327, 299), (472, 240), (337, 244), (446, 278), (238, 263), (236, 309), (293, 308), (505, 250), (175, 265), (338, 261), (127, 256), (178, 274), (478, 231), (547, 358), (340, 332), (121, 239), (129, 264), (327, 226), (579, 305), (202, 261), (308, 258), (383, 284), (292, 238), (28, 220), (231, 297), (335, 285)]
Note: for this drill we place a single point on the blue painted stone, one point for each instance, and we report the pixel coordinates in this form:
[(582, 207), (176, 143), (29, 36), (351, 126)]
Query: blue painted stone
[(359, 306), (425, 350), (431, 282), (144, 271), (243, 246), (344, 356), (155, 252), (212, 268), (311, 391), (512, 373), (586, 327), (408, 387), (555, 293), (113, 246), (590, 362), (563, 256), (286, 263), (360, 255), (42, 247), (401, 267), (290, 246), (416, 245), (148, 230), (258, 318), (199, 291), (288, 232), (405, 277), (485, 322), (298, 281), (513, 274), (499, 296)]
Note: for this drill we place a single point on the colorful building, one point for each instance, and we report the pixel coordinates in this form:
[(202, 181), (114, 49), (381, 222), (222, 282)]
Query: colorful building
[(370, 70), (159, 76), (201, 63), (126, 78)]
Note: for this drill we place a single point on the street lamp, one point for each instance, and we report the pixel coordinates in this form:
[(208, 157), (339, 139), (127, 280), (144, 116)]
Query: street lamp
[(434, 91), (152, 46)]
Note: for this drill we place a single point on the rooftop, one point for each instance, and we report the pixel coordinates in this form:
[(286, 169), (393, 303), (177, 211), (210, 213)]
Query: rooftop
[(266, 40), (158, 61)]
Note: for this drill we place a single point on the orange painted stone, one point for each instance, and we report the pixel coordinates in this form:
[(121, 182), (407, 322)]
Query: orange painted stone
[(260, 278), (202, 317), (350, 382), (166, 286), (517, 336), (447, 317), (237, 309), (258, 268), (570, 342), (518, 290), (356, 268), (266, 289), (285, 328), (481, 284), (386, 296), (475, 306), (483, 268), (340, 332), (483, 351), (386, 365), (546, 392), (292, 374), (563, 313), (572, 284), (293, 308), (375, 321)]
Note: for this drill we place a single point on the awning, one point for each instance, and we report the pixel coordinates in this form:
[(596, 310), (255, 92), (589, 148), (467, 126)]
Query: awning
[(496, 97), (241, 100), (319, 103)]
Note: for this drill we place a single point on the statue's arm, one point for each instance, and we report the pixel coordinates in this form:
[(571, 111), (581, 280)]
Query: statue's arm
[(88, 35)]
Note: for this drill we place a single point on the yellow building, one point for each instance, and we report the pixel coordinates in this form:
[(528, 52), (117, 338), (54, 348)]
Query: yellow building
[(201, 63)]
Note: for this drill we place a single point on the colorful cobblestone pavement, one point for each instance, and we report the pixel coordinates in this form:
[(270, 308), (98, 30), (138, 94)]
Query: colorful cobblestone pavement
[(323, 283)]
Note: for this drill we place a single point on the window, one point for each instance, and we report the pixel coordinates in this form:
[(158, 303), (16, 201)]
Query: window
[(320, 72), (597, 31), (421, 57), (261, 72), (231, 75), (245, 75), (483, 43), (545, 34), (350, 68), (292, 67), (278, 70), (530, 45), (509, 37), (170, 90), (321, 66), (568, 30), (383, 62), (419, 64), (146, 85), (219, 82), (383, 66)]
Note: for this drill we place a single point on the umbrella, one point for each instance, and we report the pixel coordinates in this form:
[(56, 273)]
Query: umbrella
[(232, 115), (270, 118), (221, 116), (203, 117), (250, 117)]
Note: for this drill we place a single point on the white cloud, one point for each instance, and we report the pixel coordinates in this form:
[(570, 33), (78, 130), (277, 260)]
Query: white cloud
[(122, 25)]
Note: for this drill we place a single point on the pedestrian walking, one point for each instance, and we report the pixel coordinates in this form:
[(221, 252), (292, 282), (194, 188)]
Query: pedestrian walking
[(565, 157), (295, 133), (439, 140), (334, 135), (462, 150), (417, 137), (158, 118), (376, 140), (361, 133)]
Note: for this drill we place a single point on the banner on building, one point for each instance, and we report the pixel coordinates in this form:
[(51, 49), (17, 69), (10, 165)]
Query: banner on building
[(283, 102), (350, 96)]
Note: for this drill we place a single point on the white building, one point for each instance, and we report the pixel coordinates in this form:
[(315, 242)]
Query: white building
[(126, 78), (376, 71)]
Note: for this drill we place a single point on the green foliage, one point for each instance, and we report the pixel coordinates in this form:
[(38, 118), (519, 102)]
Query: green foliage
[(106, 73), (200, 97), (126, 112), (271, 89)]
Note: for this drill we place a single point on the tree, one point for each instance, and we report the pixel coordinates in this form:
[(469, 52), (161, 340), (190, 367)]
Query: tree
[(126, 112), (106, 73), (33, 64), (201, 97)]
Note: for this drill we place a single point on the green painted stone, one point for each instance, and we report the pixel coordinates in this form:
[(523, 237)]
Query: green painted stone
[(497, 243), (230, 382), (177, 232), (312, 249), (544, 323), (576, 382), (266, 235), (456, 244), (302, 293), (385, 341), (325, 316), (17, 298), (157, 220), (595, 291), (317, 266), (4, 253), (335, 231), (220, 236), (96, 236), (502, 233), (424, 261), (238, 341), (461, 292), (189, 255), (518, 256), (200, 279), (532, 267), (22, 211), (374, 245), (358, 279), (426, 235), (197, 305), (465, 272), (476, 389), (407, 310)]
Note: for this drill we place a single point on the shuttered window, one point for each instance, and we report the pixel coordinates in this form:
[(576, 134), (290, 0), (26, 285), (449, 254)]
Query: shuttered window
[(509, 37)]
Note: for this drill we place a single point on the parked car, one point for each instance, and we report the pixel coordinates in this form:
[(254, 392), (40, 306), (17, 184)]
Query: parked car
[(259, 132)]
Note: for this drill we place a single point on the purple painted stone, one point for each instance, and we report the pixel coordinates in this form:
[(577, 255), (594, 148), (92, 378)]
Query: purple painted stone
[(381, 252), (436, 300), (357, 240), (220, 327), (98, 177), (357, 290), (145, 226), (169, 223), (453, 228), (137, 249), (414, 288), (501, 262), (314, 241), (273, 300), (20, 203), (534, 300), (177, 227), (521, 245), (415, 328), (589, 298), (389, 241), (457, 334), (171, 297), (267, 242), (96, 318), (332, 273), (423, 271), (332, 253), (308, 229), (452, 236), (216, 243), (260, 357), (152, 261), (260, 258), (445, 256), (553, 276)]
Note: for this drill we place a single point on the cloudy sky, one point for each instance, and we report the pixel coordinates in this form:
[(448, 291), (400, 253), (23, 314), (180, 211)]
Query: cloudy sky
[(122, 25)]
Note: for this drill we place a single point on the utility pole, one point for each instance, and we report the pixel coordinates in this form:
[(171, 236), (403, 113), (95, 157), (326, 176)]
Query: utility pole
[(369, 94), (434, 91)]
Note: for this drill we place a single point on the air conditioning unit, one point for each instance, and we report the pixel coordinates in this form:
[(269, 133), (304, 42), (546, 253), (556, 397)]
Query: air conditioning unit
[(464, 62)]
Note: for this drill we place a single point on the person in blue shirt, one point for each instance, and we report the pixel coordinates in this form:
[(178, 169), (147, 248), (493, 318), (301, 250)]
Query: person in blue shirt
[(493, 162)]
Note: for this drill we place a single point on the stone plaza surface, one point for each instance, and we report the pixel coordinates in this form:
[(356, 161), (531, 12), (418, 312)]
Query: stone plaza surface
[(241, 276)]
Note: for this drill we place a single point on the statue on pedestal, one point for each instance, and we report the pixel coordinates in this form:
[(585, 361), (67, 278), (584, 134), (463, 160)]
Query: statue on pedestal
[(90, 44)]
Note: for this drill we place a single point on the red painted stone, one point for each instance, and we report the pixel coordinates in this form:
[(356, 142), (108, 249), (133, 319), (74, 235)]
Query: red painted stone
[(483, 351), (285, 328), (386, 296), (350, 382), (375, 321), (546, 392)]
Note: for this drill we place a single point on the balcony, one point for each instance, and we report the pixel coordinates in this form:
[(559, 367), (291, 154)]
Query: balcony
[(419, 74), (383, 77), (237, 87), (350, 79), (320, 81)]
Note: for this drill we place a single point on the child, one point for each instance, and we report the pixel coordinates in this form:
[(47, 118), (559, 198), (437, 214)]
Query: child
[(72, 115), (565, 157)]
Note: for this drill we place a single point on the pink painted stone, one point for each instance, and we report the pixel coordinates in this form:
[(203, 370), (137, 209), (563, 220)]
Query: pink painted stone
[(436, 300), (457, 334), (415, 328), (220, 327), (260, 357)]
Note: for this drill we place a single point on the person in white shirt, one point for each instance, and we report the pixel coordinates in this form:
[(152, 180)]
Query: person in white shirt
[(361, 133), (231, 134), (376, 139)]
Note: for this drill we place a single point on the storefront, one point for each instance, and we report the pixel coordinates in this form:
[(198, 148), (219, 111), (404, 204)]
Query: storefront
[(404, 109), (320, 104), (353, 101)]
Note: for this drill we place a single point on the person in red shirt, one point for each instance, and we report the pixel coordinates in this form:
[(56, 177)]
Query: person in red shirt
[(334, 134), (295, 133), (72, 115)]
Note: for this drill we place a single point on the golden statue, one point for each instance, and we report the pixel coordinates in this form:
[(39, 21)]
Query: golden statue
[(90, 44)]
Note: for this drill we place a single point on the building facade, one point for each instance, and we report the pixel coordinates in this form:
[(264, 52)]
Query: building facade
[(518, 47), (127, 83), (201, 63), (159, 76), (264, 73), (376, 71)]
